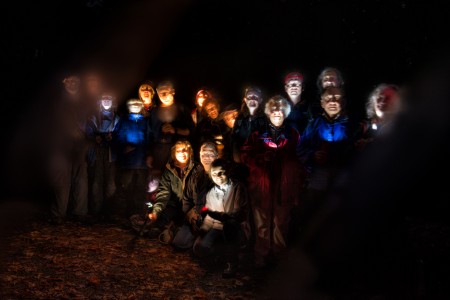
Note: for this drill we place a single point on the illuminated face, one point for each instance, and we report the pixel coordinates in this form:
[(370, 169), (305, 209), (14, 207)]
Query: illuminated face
[(293, 87), (330, 78), (201, 97), (253, 99), (107, 101), (153, 185), (72, 84), (230, 117), (146, 93), (135, 107), (212, 110), (181, 154), (207, 156), (331, 101), (166, 94), (386, 101), (218, 175), (276, 116)]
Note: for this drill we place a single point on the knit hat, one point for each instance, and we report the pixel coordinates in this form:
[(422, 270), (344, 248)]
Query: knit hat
[(253, 89), (149, 82), (293, 76), (165, 85), (228, 109)]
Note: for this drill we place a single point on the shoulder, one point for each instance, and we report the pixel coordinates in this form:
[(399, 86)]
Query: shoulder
[(236, 184), (197, 167), (197, 170)]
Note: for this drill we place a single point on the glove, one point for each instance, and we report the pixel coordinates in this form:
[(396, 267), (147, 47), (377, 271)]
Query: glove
[(220, 216), (194, 219), (204, 211), (152, 216)]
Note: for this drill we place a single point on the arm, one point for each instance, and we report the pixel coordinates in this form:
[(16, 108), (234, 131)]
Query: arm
[(236, 207), (304, 147), (163, 193)]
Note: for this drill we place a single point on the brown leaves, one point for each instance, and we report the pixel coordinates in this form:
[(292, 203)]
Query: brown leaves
[(74, 262), (94, 280)]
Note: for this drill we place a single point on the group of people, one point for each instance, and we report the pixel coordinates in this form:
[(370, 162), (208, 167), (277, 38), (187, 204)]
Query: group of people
[(218, 180)]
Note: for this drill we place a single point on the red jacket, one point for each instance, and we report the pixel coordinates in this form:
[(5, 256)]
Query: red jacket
[(276, 174)]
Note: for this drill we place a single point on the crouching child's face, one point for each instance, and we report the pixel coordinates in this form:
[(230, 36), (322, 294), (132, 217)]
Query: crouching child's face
[(218, 175)]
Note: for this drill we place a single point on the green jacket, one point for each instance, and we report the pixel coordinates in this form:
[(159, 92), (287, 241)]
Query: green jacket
[(171, 186)]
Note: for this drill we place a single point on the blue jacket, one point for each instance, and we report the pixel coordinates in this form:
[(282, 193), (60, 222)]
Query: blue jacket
[(132, 141)]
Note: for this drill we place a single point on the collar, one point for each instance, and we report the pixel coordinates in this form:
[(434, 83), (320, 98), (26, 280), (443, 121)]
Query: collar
[(223, 188)]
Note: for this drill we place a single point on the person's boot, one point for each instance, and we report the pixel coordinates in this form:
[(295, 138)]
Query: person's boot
[(153, 232), (230, 270), (168, 234)]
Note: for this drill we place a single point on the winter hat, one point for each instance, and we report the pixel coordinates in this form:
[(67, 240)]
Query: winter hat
[(149, 82), (229, 109), (165, 85), (253, 89), (293, 76)]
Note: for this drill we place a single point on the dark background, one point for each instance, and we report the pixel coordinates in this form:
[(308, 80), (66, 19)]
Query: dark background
[(224, 45)]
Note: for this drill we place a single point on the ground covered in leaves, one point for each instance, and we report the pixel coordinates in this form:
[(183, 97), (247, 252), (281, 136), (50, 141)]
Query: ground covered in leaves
[(109, 261), (105, 261)]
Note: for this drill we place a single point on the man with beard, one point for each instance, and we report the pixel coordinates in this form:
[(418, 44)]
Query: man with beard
[(250, 118)]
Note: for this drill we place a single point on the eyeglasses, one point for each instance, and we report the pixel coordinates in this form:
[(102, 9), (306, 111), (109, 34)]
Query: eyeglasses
[(290, 85), (164, 94), (330, 98), (329, 78), (146, 89), (230, 117), (252, 98), (274, 110), (202, 96), (218, 174), (211, 108)]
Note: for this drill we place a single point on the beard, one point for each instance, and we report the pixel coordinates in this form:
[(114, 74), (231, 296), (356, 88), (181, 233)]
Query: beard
[(252, 104)]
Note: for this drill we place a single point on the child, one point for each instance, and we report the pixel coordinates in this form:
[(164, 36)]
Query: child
[(225, 213)]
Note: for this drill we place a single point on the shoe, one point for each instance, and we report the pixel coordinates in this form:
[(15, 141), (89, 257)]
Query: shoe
[(230, 271), (166, 236), (137, 222), (153, 233)]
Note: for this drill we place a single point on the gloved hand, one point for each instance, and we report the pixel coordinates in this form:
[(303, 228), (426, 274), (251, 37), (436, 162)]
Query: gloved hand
[(220, 216), (194, 219), (152, 216), (204, 211)]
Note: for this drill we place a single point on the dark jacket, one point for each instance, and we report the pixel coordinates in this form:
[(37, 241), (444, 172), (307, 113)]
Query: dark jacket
[(133, 133), (198, 183), (300, 116), (336, 138), (243, 127), (171, 186), (99, 125)]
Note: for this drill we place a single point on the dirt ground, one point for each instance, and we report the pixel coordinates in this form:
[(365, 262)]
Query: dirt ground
[(107, 261)]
